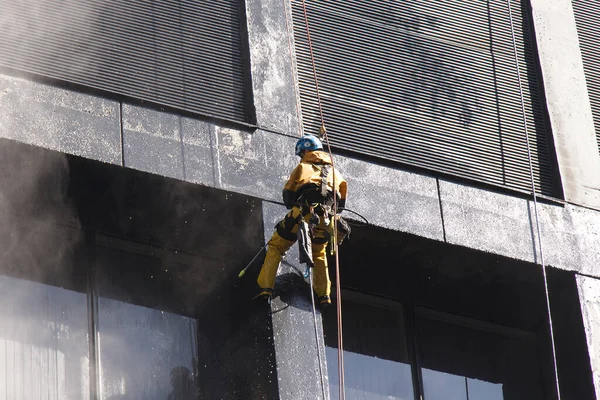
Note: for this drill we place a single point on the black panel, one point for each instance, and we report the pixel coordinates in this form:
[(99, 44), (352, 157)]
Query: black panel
[(184, 54), (587, 17), (431, 84)]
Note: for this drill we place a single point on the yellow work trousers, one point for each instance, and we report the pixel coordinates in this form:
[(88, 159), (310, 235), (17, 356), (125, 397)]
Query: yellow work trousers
[(283, 238)]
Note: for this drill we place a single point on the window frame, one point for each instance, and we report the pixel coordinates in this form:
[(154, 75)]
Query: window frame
[(411, 312)]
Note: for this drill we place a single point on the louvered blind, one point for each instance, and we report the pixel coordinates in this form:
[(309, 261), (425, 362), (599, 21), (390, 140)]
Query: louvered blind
[(186, 54), (587, 18), (429, 83)]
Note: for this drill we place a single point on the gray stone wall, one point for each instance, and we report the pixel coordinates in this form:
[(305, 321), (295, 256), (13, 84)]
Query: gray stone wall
[(59, 119)]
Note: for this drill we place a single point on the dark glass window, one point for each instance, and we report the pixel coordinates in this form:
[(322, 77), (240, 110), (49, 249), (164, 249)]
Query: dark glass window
[(144, 352), (455, 358), (119, 285), (463, 360), (376, 359)]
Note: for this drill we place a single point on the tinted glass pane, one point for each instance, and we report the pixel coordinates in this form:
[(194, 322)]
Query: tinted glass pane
[(443, 386), (376, 362), (166, 334), (145, 353), (471, 362), (44, 353)]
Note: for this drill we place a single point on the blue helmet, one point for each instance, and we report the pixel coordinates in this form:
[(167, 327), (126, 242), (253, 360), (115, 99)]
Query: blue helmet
[(308, 142)]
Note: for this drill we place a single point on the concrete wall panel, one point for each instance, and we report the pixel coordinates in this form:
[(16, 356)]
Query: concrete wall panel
[(256, 164), (487, 221), (167, 144), (571, 238), (272, 64), (60, 119), (392, 198)]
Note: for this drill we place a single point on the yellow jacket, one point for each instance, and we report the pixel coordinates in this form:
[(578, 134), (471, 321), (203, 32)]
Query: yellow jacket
[(307, 175)]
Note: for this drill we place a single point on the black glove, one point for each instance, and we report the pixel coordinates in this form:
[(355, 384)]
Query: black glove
[(289, 198)]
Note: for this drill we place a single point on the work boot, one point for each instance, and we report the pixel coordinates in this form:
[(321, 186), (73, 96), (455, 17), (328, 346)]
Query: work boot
[(324, 301), (264, 294)]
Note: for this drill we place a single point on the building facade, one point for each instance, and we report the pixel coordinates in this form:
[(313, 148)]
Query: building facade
[(144, 147)]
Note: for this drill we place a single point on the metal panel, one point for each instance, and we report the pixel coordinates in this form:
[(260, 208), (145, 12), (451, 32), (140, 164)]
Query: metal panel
[(430, 83), (185, 54), (587, 18)]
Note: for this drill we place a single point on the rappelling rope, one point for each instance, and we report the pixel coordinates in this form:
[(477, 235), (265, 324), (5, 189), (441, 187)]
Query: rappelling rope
[(323, 133), (314, 313), (535, 204), (307, 274)]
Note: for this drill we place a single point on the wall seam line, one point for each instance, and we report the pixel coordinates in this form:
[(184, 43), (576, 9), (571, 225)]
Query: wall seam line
[(437, 183)]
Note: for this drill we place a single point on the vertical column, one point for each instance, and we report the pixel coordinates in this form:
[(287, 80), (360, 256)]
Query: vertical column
[(568, 101), (294, 338), (271, 58)]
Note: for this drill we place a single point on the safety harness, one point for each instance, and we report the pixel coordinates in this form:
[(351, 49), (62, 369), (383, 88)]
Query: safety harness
[(317, 202)]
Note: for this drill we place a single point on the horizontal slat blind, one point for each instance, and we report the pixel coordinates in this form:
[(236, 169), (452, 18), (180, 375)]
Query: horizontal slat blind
[(587, 18), (426, 83), (185, 54)]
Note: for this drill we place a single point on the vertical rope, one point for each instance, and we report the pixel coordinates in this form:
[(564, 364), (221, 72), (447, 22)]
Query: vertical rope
[(535, 203), (323, 132), (314, 313)]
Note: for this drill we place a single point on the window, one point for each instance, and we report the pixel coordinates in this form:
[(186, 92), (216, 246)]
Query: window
[(43, 342), (454, 358), (376, 359), (120, 285), (464, 359), (144, 352)]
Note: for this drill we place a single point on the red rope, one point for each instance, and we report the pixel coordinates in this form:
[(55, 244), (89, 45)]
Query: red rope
[(298, 117), (323, 132)]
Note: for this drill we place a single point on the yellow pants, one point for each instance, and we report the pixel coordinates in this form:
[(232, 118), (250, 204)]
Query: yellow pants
[(283, 238)]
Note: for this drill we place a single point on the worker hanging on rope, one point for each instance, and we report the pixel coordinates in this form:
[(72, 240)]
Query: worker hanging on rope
[(309, 195)]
